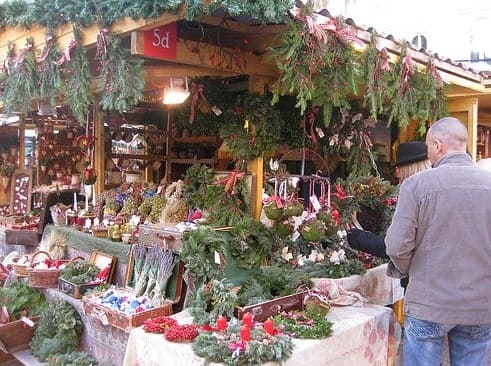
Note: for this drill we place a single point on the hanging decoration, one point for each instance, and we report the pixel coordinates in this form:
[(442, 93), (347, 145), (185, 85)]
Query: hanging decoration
[(378, 76), (122, 75), (22, 80), (77, 76), (316, 63), (49, 72)]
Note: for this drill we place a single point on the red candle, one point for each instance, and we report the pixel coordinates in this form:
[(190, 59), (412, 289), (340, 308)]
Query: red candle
[(221, 323), (245, 333), (269, 326), (247, 319)]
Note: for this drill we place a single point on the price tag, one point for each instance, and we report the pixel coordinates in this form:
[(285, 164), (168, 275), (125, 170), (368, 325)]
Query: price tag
[(27, 321), (319, 131), (315, 203), (216, 110), (295, 235), (217, 258)]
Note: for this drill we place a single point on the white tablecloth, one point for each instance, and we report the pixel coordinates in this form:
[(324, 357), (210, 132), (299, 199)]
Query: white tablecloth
[(366, 335), (374, 285)]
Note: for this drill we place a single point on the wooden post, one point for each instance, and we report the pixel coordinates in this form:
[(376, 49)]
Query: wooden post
[(99, 153)]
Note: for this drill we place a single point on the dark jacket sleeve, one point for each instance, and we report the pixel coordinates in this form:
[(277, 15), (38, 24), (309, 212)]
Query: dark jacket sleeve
[(367, 242)]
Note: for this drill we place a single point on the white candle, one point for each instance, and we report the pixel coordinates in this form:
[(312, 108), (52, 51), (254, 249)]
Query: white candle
[(93, 195), (75, 201)]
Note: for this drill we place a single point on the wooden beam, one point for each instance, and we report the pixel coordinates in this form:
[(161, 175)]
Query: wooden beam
[(211, 57), (64, 34)]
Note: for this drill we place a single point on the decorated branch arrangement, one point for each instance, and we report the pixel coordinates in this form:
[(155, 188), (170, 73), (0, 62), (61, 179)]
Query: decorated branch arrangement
[(17, 299)]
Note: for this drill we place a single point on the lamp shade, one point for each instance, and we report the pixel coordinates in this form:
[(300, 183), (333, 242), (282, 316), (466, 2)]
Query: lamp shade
[(177, 91)]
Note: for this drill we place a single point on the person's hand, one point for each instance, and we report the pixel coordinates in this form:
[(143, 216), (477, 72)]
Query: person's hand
[(367, 242), (353, 236)]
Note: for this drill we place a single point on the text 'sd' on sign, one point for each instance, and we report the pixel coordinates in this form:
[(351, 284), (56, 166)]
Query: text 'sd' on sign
[(161, 42)]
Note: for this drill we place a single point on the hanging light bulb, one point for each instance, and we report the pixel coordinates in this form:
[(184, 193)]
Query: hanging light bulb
[(177, 91)]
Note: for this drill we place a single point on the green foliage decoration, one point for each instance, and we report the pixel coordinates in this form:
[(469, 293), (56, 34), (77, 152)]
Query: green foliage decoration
[(196, 179), (51, 13), (77, 76), (211, 300), (58, 331), (73, 359), (198, 253), (252, 128), (21, 300), (50, 80), (378, 75), (321, 71), (122, 74), (79, 272), (22, 80), (227, 348), (251, 243), (308, 324)]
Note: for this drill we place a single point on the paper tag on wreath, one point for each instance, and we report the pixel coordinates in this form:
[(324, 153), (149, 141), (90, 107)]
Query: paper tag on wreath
[(315, 203)]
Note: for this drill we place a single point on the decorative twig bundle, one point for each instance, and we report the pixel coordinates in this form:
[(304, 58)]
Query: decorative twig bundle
[(167, 263)]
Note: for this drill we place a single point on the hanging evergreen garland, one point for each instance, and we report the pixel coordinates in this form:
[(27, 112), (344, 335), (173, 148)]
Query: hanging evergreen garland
[(378, 77), (316, 64), (49, 72), (77, 76), (22, 81), (122, 74), (51, 13)]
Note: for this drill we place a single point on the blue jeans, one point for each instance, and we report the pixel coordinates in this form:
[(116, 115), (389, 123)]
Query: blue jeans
[(424, 340)]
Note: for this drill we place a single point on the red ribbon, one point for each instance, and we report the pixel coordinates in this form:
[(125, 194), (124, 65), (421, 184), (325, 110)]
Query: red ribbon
[(277, 199), (22, 55), (311, 115), (407, 67), (46, 50), (101, 40), (67, 55), (196, 93), (230, 180)]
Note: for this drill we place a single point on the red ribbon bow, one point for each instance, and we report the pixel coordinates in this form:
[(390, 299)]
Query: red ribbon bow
[(196, 93)]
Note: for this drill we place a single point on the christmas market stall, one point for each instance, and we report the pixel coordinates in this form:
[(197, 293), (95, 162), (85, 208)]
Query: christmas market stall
[(178, 179)]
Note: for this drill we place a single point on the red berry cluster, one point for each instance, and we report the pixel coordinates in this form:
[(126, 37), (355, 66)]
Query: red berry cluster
[(159, 324), (172, 331)]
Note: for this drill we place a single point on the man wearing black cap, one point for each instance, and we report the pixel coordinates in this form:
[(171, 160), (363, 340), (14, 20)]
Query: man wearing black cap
[(440, 236)]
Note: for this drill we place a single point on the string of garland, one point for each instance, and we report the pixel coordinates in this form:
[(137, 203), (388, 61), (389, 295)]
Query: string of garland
[(77, 76), (122, 75), (22, 80), (316, 65), (378, 76), (49, 74), (52, 13)]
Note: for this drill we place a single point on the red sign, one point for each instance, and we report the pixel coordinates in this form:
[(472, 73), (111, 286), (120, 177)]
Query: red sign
[(161, 42)]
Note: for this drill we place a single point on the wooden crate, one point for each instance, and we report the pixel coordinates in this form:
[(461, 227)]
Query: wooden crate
[(16, 335), (109, 316), (266, 309), (101, 260)]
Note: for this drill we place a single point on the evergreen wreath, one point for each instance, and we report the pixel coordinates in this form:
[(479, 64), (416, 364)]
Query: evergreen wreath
[(251, 243), (226, 347), (198, 253), (79, 272), (122, 74), (252, 128), (73, 359), (58, 331), (213, 299)]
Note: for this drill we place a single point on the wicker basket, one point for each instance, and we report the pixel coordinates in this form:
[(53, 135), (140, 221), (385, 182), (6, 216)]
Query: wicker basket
[(20, 269), (45, 278)]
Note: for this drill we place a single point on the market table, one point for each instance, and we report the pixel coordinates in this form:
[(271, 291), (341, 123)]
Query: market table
[(364, 335), (374, 285)]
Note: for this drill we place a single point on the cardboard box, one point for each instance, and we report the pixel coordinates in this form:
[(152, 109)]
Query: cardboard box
[(109, 316), (101, 260), (156, 234)]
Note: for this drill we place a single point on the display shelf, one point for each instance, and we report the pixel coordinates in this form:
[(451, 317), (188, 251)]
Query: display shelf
[(137, 156), (211, 140), (193, 161)]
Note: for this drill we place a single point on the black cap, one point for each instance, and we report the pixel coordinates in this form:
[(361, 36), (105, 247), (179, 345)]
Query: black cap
[(410, 152)]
